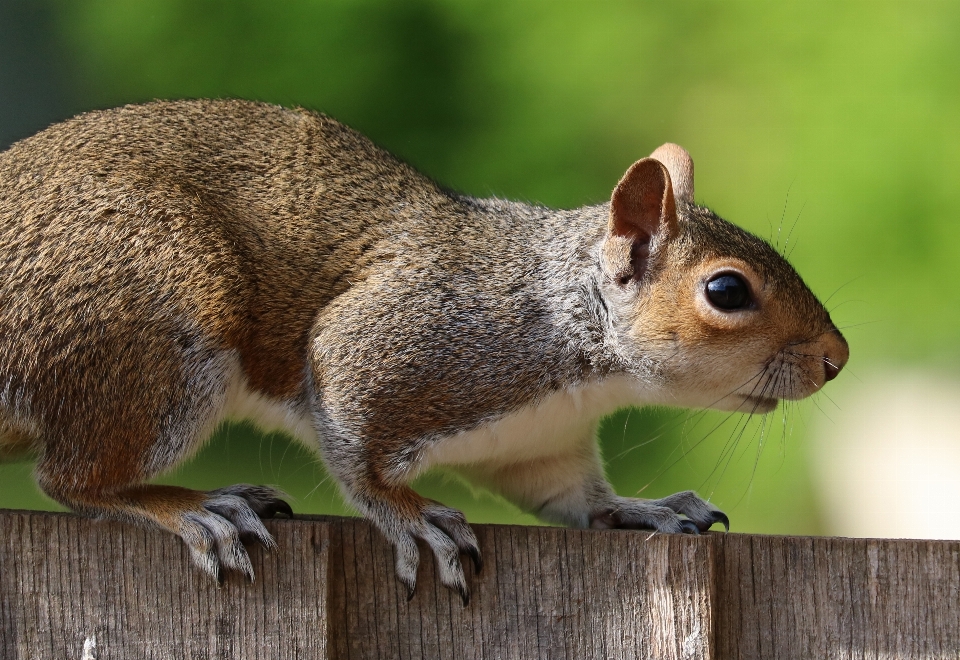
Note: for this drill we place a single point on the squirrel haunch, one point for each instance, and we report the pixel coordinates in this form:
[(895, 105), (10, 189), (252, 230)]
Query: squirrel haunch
[(170, 265)]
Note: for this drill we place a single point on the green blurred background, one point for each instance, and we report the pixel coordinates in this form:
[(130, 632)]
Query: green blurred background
[(832, 129)]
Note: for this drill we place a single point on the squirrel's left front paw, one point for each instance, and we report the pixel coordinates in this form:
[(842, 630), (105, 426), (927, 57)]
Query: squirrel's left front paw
[(447, 533), (684, 512)]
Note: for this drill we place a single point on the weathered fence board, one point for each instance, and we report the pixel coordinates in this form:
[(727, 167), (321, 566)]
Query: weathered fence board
[(544, 593), (68, 584), (794, 597)]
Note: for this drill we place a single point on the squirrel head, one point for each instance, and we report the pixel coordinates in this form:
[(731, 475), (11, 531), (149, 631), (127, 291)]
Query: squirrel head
[(713, 314)]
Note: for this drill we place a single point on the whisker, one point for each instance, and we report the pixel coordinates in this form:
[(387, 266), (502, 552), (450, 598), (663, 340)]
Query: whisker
[(787, 257), (821, 392), (845, 302), (663, 429), (756, 461), (838, 289), (667, 468), (783, 214), (284, 456), (687, 416), (857, 325), (822, 411), (827, 361), (853, 373), (783, 432), (314, 489), (729, 453)]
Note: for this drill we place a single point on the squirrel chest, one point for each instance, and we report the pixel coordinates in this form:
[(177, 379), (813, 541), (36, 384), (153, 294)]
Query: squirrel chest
[(563, 420)]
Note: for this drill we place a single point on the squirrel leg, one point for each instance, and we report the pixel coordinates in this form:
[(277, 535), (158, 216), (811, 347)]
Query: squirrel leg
[(368, 448), (100, 468), (214, 524)]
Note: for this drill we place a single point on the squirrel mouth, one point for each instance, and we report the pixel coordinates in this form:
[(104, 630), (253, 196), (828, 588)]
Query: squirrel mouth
[(758, 404)]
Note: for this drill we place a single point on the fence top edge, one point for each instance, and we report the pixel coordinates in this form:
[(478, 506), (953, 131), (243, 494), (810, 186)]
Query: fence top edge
[(711, 537)]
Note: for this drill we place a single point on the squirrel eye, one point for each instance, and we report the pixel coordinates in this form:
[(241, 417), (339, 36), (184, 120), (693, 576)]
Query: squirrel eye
[(728, 292)]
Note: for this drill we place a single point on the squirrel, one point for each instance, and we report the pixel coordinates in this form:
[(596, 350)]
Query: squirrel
[(168, 266)]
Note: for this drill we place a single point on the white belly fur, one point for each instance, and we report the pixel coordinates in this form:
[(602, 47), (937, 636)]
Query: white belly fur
[(267, 413), (555, 425), (238, 402)]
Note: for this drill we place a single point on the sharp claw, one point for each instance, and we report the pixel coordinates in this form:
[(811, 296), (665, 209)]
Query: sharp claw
[(411, 591), (715, 517), (477, 560), (721, 517), (465, 596), (281, 507), (689, 527)]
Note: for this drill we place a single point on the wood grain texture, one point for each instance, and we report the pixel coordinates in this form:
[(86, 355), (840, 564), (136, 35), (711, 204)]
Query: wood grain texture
[(330, 592), (67, 581), (544, 593), (800, 597)]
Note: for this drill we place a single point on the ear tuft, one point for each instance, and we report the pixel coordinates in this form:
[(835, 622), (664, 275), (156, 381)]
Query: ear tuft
[(642, 208), (680, 166)]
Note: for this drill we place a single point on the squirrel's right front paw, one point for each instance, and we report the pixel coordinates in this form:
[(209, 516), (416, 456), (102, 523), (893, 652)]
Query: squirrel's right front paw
[(228, 516), (447, 533), (680, 513)]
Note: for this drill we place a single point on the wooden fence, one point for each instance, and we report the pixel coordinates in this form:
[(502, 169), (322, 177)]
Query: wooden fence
[(79, 589)]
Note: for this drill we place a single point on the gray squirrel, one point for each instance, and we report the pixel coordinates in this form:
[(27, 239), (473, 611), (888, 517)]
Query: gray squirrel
[(167, 266)]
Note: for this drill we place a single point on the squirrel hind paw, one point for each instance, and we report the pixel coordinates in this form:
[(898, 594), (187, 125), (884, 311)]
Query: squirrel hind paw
[(215, 544), (230, 517), (264, 501)]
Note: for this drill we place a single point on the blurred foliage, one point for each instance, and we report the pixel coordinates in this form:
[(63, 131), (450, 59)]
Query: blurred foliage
[(830, 128)]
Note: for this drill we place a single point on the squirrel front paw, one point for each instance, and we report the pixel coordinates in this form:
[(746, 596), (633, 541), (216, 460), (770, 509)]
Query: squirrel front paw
[(227, 517), (445, 530), (684, 512)]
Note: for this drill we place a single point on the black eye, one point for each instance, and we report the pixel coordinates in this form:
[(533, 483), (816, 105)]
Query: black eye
[(728, 292)]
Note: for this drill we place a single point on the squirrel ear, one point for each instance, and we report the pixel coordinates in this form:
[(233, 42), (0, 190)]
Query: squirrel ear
[(678, 162), (642, 211)]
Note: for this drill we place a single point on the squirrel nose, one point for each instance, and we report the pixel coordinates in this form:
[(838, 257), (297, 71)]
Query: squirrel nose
[(835, 354), (830, 368)]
